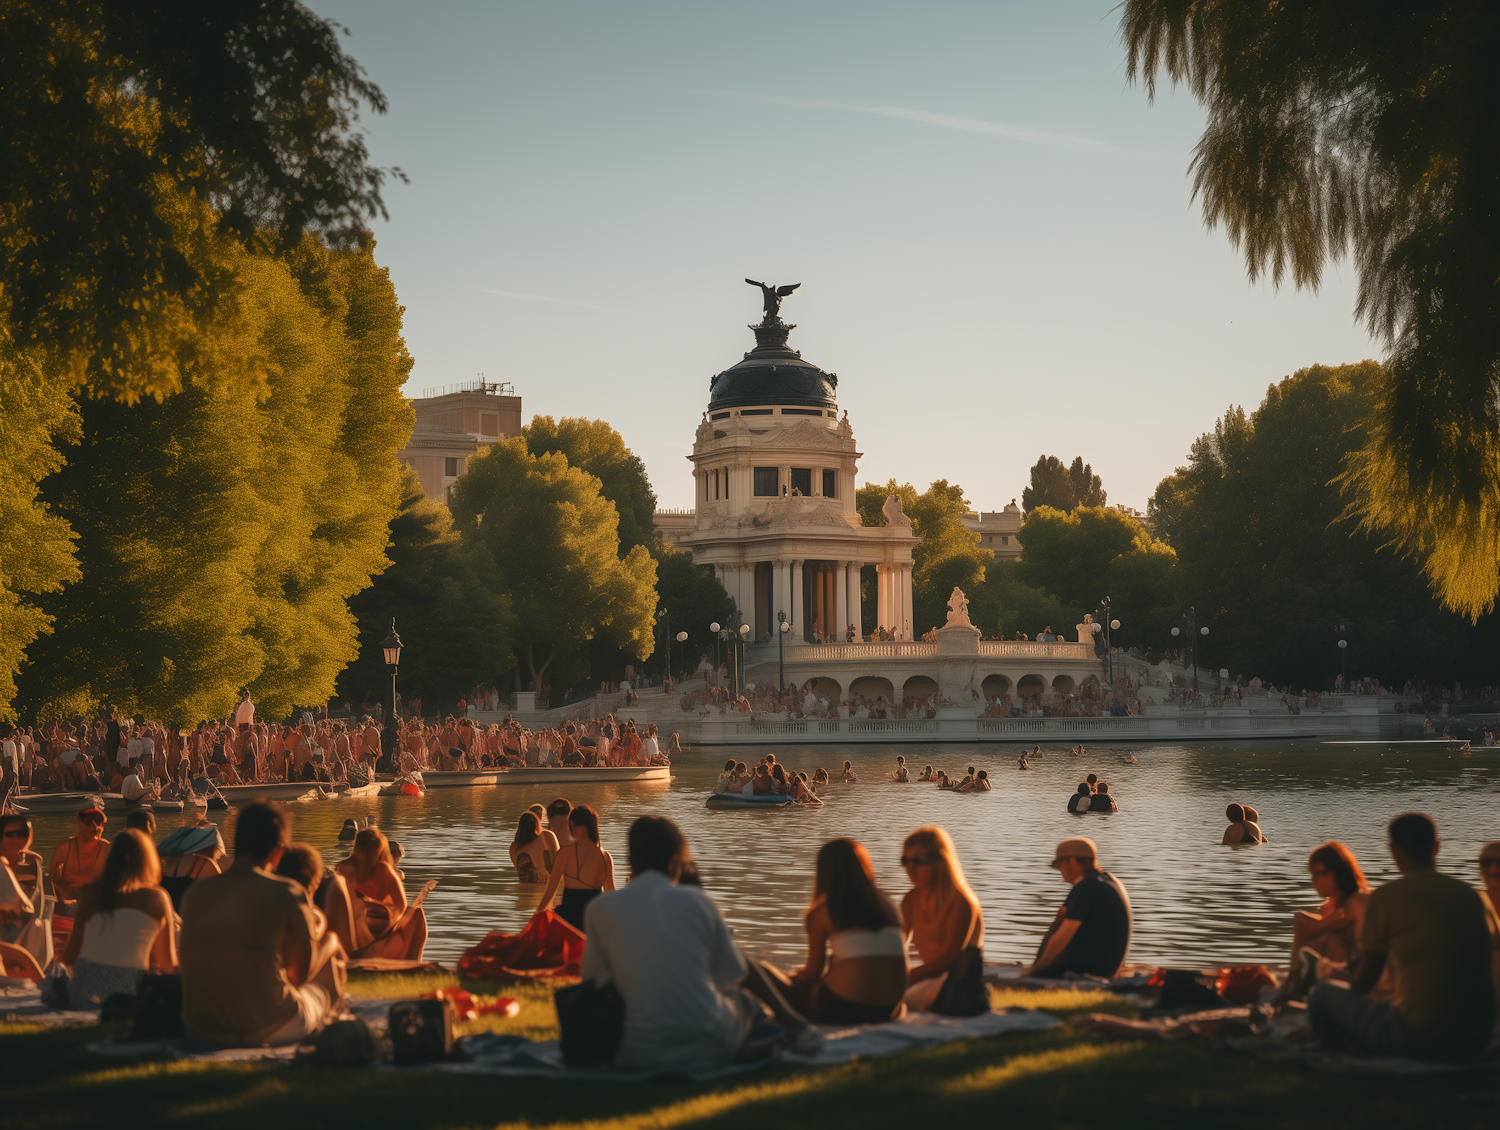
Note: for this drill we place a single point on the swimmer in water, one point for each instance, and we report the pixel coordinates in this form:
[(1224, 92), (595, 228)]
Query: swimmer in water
[(820, 777), (1128, 759), (1036, 753), (848, 773), (900, 773), (980, 784), (942, 780), (926, 773), (1022, 762)]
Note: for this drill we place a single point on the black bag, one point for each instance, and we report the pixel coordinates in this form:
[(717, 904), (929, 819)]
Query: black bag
[(963, 992), (421, 1031), (344, 1043), (592, 1019), (158, 1007)]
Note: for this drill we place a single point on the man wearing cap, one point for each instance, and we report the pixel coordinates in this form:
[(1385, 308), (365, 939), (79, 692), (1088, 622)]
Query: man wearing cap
[(1091, 932)]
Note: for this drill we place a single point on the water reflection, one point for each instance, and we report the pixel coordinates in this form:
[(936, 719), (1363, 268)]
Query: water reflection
[(1195, 902)]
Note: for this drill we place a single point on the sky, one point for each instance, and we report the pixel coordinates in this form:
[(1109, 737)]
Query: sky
[(995, 234)]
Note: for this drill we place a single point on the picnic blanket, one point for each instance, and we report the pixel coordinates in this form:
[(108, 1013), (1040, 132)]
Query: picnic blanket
[(548, 947), (372, 1012), (514, 1055)]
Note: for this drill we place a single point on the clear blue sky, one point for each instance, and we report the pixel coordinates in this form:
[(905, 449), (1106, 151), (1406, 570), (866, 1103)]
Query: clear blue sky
[(993, 232)]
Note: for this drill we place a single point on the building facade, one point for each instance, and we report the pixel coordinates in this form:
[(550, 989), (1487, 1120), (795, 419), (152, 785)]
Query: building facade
[(452, 424)]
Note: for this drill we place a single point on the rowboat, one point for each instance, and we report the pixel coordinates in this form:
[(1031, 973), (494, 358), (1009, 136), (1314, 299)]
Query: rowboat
[(44, 804), (284, 791), (740, 800), (344, 792)]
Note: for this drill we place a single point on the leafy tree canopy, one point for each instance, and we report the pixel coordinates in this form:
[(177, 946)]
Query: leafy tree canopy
[(553, 536), (1329, 133), (696, 599), (445, 595), (1278, 570), (142, 138), (595, 447), (1060, 487)]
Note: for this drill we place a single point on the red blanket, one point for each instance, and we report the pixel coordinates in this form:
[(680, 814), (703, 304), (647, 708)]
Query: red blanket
[(548, 947)]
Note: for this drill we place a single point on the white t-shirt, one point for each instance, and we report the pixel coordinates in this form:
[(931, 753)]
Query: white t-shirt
[(133, 788)]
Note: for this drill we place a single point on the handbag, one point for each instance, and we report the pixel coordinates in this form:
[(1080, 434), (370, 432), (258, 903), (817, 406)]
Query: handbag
[(963, 992), (591, 1019), (421, 1031), (158, 1007)]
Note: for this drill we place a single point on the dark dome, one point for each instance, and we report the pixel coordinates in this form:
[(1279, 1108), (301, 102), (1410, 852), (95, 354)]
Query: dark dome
[(771, 373)]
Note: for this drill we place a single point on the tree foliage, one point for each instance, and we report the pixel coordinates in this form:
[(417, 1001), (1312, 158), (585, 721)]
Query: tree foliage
[(553, 536), (696, 599), (1060, 487), (222, 530), (446, 597), (36, 545), (595, 447), (1331, 132), (141, 142), (1277, 569)]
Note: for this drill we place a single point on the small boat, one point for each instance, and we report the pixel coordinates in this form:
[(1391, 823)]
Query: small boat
[(740, 800), (167, 806), (284, 791), (545, 775), (42, 804)]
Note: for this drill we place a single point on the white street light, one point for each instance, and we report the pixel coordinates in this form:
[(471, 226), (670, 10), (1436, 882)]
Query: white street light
[(714, 627), (682, 637), (1114, 625), (1203, 631), (1177, 631)]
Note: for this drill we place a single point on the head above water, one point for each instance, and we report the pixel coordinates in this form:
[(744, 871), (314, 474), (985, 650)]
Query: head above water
[(559, 809), (1083, 788), (585, 817), (1092, 779), (1235, 813)]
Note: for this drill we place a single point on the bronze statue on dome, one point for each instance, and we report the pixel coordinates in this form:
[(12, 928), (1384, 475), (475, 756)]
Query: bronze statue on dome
[(771, 296)]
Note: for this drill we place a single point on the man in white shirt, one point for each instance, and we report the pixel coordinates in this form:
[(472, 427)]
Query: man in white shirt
[(130, 752), (668, 951)]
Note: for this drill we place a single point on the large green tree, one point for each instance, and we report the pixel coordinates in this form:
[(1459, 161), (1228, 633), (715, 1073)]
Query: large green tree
[(1280, 572), (142, 140), (594, 446), (446, 598), (1336, 128), (1062, 487), (695, 598), (553, 536), (222, 530), (36, 544)]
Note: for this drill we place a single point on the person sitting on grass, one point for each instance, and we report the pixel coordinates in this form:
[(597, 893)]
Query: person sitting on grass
[(1489, 870), (1326, 941), (942, 919), (124, 925), (1434, 927), (257, 970), (856, 950), (1091, 933), (667, 950)]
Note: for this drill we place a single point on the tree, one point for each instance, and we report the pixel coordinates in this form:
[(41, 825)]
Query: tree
[(1328, 134), (1006, 604), (445, 596), (949, 556), (695, 598), (221, 531), (1062, 488), (1280, 572), (553, 536), (595, 447), (143, 142), (36, 545)]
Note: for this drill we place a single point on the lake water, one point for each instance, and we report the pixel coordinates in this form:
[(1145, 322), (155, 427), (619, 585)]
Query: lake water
[(1196, 902)]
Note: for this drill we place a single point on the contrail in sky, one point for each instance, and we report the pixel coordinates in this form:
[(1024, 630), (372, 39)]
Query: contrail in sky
[(950, 121), (538, 298)]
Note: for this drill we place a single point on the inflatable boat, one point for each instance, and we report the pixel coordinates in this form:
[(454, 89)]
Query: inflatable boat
[(740, 800)]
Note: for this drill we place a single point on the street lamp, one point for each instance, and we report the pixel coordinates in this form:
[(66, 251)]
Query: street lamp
[(1109, 643), (391, 647), (1344, 662), (1190, 618), (781, 651), (718, 635), (663, 615)]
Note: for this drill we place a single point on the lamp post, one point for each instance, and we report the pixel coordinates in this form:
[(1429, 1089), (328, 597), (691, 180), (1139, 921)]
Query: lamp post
[(391, 647), (782, 630), (1110, 626), (733, 635), (1344, 662), (681, 638), (1190, 619), (665, 617)]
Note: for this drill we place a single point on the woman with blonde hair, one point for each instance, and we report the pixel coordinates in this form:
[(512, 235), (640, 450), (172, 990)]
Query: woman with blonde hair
[(381, 927), (943, 920), (125, 925)]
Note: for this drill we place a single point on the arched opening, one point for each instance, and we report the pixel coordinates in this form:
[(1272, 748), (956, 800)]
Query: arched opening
[(1029, 685), (1063, 684), (824, 687), (872, 687), (994, 686), (919, 687)]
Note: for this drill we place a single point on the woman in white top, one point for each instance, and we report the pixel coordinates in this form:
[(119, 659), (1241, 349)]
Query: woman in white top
[(856, 952), (124, 926)]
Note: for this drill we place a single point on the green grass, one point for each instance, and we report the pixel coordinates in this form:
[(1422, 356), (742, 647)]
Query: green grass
[(1062, 1077)]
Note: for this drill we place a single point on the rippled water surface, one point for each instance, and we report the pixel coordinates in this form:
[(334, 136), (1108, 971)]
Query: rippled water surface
[(1195, 901)]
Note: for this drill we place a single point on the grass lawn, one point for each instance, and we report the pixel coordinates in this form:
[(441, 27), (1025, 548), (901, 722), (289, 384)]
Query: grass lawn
[(1063, 1077)]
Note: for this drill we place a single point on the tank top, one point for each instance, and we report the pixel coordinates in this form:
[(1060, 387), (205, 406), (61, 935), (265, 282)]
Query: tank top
[(120, 937)]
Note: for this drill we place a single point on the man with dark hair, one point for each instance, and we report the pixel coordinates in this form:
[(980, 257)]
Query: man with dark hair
[(1434, 928), (258, 967), (665, 947)]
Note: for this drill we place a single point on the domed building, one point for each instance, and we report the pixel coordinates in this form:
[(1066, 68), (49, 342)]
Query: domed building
[(775, 464)]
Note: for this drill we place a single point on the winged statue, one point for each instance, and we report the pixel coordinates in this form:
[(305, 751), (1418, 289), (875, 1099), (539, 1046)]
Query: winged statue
[(771, 296)]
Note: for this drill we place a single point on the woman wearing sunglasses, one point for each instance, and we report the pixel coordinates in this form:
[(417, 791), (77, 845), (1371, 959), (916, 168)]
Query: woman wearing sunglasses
[(942, 918)]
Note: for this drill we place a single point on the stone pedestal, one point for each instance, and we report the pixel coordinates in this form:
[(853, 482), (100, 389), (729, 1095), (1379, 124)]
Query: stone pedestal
[(958, 651), (523, 701)]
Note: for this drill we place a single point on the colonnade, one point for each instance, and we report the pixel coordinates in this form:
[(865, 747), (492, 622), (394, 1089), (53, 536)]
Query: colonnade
[(825, 596)]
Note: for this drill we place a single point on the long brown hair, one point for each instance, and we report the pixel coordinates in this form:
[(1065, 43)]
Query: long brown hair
[(132, 864), (845, 883), (527, 828), (586, 818), (1342, 865), (370, 850)]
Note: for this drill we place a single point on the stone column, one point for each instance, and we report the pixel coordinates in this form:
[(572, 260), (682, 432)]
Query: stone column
[(780, 602), (841, 600), (882, 596), (794, 602), (912, 631), (819, 607), (856, 613)]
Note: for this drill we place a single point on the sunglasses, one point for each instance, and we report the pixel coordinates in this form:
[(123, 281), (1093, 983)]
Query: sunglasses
[(1490, 861), (17, 833), (916, 860)]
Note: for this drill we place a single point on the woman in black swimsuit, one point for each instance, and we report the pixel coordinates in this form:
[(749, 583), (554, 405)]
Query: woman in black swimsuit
[(584, 871)]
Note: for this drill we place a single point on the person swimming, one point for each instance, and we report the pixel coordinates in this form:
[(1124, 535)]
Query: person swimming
[(926, 773), (900, 773), (1022, 762), (848, 773)]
